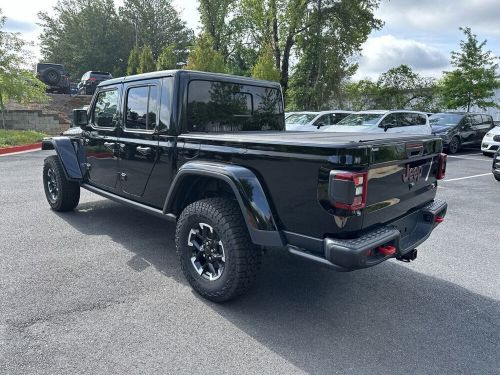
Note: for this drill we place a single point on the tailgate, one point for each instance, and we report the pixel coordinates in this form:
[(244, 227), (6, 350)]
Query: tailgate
[(401, 178)]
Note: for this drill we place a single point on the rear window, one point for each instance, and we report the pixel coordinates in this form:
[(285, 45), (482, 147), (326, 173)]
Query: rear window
[(228, 107), (100, 74)]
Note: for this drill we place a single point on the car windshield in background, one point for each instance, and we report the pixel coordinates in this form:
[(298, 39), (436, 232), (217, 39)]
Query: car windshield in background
[(361, 119), (441, 119), (301, 118)]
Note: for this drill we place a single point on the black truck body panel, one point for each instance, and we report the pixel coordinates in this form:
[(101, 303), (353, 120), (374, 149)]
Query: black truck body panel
[(280, 179)]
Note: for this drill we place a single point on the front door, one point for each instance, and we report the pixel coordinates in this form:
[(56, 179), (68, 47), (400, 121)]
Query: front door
[(467, 132), (138, 142), (100, 141)]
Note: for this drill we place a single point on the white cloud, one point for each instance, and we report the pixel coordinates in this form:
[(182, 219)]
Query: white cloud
[(384, 52)]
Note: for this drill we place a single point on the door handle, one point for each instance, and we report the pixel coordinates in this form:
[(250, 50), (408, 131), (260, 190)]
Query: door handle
[(143, 150), (110, 145)]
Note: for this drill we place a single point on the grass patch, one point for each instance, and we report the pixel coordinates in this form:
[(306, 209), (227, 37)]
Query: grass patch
[(9, 138)]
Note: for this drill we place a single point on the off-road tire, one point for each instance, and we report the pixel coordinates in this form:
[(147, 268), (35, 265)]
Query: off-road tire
[(497, 177), (452, 149), (68, 191), (242, 257)]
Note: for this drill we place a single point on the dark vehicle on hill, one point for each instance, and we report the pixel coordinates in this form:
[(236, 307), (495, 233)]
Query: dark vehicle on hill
[(54, 76), (458, 129), (209, 153), (91, 80)]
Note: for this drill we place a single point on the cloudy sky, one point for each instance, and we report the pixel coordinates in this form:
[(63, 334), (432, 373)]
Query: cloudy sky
[(418, 33)]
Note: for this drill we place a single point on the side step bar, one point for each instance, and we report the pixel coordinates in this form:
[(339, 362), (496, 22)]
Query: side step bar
[(130, 203)]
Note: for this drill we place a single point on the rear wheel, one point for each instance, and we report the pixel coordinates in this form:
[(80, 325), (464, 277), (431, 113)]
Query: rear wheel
[(497, 177), (454, 145), (62, 195), (487, 154), (215, 251)]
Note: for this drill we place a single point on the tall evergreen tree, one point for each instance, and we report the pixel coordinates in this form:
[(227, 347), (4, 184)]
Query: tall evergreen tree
[(264, 67), (146, 61), (474, 78), (204, 58), (156, 24), (133, 61), (86, 35)]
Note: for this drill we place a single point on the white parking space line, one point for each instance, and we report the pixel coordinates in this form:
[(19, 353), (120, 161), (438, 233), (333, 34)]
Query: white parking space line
[(467, 158), (464, 178)]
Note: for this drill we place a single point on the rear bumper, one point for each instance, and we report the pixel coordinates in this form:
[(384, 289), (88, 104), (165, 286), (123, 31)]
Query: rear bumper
[(404, 234)]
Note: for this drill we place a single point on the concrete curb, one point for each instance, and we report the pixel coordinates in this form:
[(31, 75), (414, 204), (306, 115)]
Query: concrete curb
[(13, 149)]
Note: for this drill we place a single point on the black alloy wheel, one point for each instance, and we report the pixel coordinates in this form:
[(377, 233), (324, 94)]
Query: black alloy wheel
[(454, 145), (207, 251)]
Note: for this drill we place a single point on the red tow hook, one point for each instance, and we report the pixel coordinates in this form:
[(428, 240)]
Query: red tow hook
[(439, 219), (387, 250)]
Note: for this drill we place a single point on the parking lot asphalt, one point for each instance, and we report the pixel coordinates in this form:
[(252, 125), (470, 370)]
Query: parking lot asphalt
[(99, 291)]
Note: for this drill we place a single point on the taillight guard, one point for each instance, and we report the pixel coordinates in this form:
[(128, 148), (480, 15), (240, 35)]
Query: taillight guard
[(348, 190), (441, 172)]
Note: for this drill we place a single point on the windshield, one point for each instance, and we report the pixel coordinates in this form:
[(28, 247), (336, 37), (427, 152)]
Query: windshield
[(361, 119), (300, 118), (444, 119)]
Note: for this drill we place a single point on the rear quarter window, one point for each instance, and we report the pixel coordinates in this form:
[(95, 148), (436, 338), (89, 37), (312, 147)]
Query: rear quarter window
[(215, 106)]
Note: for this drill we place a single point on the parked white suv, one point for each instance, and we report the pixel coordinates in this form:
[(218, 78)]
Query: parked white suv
[(377, 121), (491, 141), (311, 121)]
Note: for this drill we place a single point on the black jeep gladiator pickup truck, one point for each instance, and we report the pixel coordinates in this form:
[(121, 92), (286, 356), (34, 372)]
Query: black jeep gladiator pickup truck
[(209, 153)]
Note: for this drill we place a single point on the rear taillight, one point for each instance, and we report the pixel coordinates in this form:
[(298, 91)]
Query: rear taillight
[(347, 191), (441, 166)]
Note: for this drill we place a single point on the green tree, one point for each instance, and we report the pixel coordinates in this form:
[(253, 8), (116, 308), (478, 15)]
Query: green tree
[(474, 78), (362, 95), (16, 81), (146, 61), (264, 68), (204, 58), (335, 31), (170, 58), (133, 61), (86, 35), (284, 23), (157, 24), (402, 88)]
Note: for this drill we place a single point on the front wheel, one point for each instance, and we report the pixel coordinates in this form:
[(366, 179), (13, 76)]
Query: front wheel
[(454, 145), (62, 195), (215, 251)]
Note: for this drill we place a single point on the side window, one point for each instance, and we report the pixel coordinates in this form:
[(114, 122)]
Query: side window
[(389, 120), (166, 103), (325, 119), (142, 104), (419, 119), (228, 107), (487, 120), (477, 120), (105, 109), (336, 117)]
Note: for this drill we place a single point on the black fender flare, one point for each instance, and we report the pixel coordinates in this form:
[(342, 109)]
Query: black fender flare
[(70, 153), (247, 190)]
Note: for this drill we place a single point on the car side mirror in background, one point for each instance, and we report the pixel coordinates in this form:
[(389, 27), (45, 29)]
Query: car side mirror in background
[(80, 118), (320, 124)]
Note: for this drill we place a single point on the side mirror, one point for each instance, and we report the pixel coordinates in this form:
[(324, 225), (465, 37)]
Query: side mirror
[(80, 118), (320, 124)]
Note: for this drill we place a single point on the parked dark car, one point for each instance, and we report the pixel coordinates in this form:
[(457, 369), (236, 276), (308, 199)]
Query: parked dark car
[(458, 129), (496, 165), (210, 153), (91, 80), (54, 76)]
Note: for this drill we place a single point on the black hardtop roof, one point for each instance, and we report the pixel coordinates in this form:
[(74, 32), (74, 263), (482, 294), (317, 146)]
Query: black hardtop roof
[(193, 74)]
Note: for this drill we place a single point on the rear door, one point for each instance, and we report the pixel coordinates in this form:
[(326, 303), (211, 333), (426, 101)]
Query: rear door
[(138, 142), (101, 141), (467, 131)]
